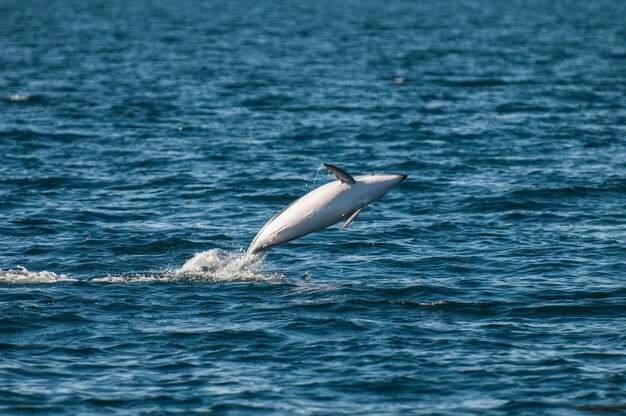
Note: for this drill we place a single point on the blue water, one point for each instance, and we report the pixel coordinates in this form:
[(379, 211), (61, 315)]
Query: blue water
[(143, 145)]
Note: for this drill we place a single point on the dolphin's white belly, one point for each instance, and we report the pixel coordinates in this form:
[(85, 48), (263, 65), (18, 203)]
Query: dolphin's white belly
[(316, 210)]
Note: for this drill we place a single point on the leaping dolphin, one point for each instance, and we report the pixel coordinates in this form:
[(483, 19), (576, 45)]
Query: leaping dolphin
[(323, 207)]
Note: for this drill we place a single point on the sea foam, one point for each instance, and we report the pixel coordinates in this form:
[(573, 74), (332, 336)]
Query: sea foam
[(22, 276)]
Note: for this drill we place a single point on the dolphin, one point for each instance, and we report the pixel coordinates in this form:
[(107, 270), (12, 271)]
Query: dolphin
[(327, 205)]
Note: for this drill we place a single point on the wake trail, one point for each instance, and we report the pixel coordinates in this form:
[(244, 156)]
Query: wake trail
[(208, 266)]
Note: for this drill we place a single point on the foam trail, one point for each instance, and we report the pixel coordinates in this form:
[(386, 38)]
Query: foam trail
[(208, 266), (22, 276)]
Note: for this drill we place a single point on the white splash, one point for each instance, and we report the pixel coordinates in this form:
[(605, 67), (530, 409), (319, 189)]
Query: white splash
[(208, 266), (23, 276), (219, 265)]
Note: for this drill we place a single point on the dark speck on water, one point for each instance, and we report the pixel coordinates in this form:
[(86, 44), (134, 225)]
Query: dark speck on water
[(143, 145)]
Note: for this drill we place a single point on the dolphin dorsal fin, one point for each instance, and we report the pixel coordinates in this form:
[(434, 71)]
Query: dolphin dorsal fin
[(341, 174), (350, 218)]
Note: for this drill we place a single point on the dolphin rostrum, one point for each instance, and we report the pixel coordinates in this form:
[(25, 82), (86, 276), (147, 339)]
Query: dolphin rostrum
[(327, 205)]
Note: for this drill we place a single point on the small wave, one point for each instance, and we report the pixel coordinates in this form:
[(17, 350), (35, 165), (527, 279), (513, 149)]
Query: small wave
[(435, 303), (22, 276), (474, 82), (208, 266)]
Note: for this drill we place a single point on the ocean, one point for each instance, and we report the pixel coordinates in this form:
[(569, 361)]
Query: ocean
[(143, 144)]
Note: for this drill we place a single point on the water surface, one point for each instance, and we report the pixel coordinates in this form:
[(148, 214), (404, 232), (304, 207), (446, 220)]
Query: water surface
[(144, 144)]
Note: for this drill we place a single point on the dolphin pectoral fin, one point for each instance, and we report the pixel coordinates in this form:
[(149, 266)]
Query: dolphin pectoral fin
[(350, 218), (341, 174)]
